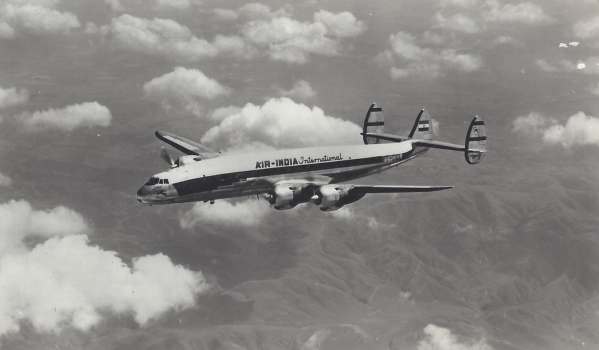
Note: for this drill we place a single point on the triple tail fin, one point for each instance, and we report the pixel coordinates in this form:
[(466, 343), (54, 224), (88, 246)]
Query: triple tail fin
[(476, 141), (374, 123), (423, 126)]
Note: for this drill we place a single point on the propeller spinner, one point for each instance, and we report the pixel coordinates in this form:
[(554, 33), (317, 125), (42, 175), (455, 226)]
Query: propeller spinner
[(167, 157)]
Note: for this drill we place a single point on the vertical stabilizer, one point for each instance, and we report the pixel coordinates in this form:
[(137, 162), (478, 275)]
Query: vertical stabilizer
[(423, 126), (373, 123), (476, 141)]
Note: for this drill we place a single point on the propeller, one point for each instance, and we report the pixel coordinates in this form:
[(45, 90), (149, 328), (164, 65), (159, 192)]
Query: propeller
[(167, 157)]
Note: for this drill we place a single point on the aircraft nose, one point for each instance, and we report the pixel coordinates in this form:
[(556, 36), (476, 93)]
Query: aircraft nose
[(141, 194)]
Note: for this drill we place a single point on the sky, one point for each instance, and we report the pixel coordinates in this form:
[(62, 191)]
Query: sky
[(508, 259)]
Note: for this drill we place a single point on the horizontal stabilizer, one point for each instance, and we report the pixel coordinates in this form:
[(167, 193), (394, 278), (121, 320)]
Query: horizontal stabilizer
[(397, 189), (186, 146), (383, 136)]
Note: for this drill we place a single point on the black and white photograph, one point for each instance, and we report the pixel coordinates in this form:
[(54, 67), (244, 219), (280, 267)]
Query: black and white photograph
[(303, 175)]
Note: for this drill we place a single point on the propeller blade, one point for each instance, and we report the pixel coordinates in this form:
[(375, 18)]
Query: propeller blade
[(167, 157)]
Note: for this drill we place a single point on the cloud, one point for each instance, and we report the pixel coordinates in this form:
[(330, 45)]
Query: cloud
[(532, 123), (119, 5), (457, 22), (36, 17), (281, 122), (69, 118), (173, 4), (64, 281), (588, 66), (301, 90), (286, 39), (439, 338), (225, 14), (580, 129), (459, 3), (524, 12), (256, 10), (5, 180), (407, 58), (272, 33), (10, 97), (342, 24), (184, 89), (169, 39), (587, 29), (244, 213)]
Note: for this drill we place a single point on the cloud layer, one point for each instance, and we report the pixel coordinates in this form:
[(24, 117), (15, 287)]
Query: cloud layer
[(263, 32), (69, 118), (580, 129), (11, 97), (66, 282), (243, 214)]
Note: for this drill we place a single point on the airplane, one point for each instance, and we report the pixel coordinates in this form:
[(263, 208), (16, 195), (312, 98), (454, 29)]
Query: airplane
[(288, 177)]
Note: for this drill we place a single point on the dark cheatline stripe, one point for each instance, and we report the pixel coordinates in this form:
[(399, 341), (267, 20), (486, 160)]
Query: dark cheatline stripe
[(376, 109), (423, 122), (375, 123), (423, 129), (477, 138), (479, 122), (207, 183)]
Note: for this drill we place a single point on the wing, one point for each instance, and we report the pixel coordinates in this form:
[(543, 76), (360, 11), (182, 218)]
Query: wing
[(185, 145)]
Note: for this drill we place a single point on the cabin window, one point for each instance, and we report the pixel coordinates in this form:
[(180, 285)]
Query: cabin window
[(152, 181)]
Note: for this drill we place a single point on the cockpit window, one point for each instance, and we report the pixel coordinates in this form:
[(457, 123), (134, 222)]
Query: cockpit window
[(161, 181), (152, 181), (166, 181)]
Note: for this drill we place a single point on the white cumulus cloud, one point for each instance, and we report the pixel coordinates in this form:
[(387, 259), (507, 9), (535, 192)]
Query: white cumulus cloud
[(579, 129), (342, 24), (184, 88), (289, 40), (587, 29), (523, 12), (457, 22), (243, 213), (440, 338), (69, 118), (281, 122), (37, 17), (406, 57), (64, 281), (10, 97), (169, 39), (301, 89)]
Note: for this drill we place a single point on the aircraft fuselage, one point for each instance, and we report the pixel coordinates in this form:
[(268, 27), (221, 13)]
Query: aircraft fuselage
[(236, 175)]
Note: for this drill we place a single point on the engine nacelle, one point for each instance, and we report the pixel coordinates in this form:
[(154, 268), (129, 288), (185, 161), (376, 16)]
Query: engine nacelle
[(333, 197), (287, 197)]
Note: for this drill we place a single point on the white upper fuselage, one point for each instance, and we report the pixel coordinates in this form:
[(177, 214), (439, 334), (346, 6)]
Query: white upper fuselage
[(231, 175)]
